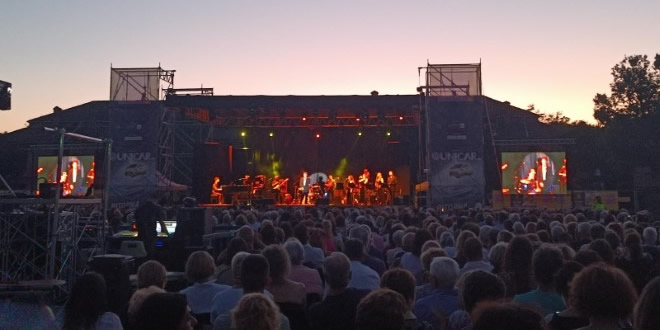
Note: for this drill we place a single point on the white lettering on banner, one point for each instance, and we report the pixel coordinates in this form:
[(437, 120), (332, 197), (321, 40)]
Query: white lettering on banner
[(454, 156), (132, 156)]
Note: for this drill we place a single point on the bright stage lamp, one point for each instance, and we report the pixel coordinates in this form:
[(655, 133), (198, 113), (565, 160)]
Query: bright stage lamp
[(271, 134), (243, 134)]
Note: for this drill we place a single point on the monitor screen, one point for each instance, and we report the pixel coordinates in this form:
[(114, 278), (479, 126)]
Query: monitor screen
[(78, 173), (531, 173), (170, 225)]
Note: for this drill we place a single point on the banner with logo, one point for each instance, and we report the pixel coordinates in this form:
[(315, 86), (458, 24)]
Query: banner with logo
[(134, 151), (455, 152)]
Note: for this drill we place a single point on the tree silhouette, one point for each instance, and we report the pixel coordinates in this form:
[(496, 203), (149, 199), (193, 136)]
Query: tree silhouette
[(635, 91)]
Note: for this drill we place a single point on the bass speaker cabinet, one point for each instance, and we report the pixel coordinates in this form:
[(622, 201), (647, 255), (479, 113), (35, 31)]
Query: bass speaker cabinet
[(115, 269)]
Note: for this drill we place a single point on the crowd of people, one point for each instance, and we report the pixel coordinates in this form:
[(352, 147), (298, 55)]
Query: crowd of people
[(402, 268)]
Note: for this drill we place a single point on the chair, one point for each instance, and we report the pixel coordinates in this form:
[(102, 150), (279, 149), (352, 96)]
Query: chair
[(203, 321), (297, 315), (134, 249)]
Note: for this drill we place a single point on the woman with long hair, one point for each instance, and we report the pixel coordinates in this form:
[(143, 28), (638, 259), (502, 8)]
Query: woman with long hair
[(87, 305), (517, 272)]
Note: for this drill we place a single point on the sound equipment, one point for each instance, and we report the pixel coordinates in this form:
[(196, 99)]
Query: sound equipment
[(263, 202), (228, 192), (337, 196), (190, 226), (115, 269)]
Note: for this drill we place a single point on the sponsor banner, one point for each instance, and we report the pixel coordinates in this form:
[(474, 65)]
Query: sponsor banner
[(455, 153), (577, 199), (135, 152)]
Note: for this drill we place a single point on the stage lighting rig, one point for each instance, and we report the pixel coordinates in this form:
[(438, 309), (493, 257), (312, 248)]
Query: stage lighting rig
[(5, 95)]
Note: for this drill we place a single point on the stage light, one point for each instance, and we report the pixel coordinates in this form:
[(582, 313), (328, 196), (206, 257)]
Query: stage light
[(357, 119), (243, 134), (388, 133), (304, 118), (400, 117), (318, 135), (271, 134), (359, 133)]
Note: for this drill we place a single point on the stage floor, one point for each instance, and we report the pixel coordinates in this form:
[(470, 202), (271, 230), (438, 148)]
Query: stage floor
[(277, 206)]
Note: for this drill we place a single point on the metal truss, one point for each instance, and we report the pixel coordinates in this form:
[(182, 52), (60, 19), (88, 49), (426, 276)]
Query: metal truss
[(166, 143), (34, 247), (203, 115), (534, 142)]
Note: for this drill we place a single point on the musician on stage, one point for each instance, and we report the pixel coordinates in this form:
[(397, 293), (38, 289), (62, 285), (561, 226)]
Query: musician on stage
[(279, 187), (363, 181), (379, 184), (258, 184), (392, 185), (305, 184), (216, 189), (330, 186), (350, 186)]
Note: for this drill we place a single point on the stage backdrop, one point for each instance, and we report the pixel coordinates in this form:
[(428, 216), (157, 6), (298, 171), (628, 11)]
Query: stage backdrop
[(134, 152), (455, 151)]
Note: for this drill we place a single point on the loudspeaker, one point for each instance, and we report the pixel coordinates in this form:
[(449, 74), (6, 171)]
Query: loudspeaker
[(115, 269), (190, 226)]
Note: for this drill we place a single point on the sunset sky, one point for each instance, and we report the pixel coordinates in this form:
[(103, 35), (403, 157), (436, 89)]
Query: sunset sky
[(554, 54)]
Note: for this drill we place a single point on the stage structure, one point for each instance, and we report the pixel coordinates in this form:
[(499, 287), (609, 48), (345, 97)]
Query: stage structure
[(139, 84), (40, 241), (453, 135)]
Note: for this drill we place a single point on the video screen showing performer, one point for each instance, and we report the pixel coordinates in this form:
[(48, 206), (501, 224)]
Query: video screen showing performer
[(78, 173), (533, 173)]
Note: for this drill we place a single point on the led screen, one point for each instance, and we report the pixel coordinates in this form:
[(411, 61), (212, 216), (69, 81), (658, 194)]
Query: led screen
[(531, 173), (77, 173)]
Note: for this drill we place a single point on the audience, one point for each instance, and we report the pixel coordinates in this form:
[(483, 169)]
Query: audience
[(443, 300), (383, 309), (506, 317), (299, 273), (86, 308), (254, 276), (313, 255), (604, 295), (280, 286), (473, 253), (337, 310), (362, 277), (647, 310), (255, 312), (569, 318), (234, 246), (547, 261), (402, 281), (151, 278), (488, 269), (200, 269), (165, 311)]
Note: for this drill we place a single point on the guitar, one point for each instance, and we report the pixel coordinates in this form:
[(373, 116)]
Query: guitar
[(280, 183)]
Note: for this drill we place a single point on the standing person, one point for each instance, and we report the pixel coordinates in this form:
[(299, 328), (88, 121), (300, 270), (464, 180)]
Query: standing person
[(392, 185), (146, 216), (350, 186), (363, 181), (330, 186), (305, 183), (87, 307)]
